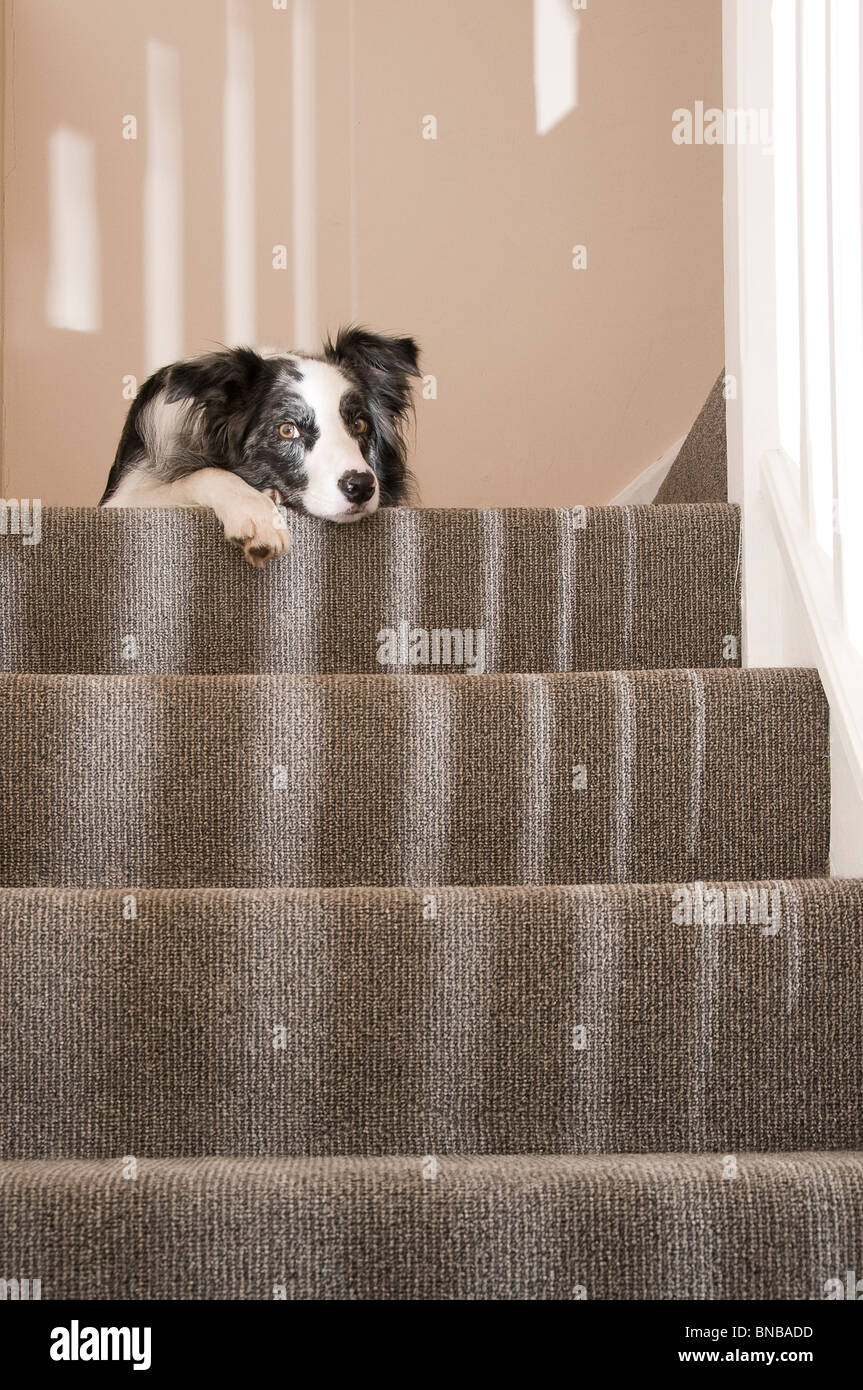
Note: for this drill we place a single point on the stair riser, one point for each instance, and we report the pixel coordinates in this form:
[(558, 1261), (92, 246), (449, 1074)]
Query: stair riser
[(304, 782), (587, 589), (557, 1021)]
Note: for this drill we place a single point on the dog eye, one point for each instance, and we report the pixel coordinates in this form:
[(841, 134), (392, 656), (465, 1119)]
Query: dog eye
[(288, 430), (360, 425)]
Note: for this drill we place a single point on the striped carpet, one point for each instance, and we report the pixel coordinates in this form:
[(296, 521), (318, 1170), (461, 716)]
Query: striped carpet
[(666, 1226), (330, 977), (589, 589), (308, 781), (600, 1019)]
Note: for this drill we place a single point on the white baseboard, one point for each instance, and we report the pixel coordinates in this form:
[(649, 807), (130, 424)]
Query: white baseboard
[(645, 487)]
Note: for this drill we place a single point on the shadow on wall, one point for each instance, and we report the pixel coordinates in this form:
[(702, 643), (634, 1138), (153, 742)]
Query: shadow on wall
[(499, 181)]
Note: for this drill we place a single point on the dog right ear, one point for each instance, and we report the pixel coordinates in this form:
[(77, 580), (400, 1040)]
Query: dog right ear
[(383, 364)]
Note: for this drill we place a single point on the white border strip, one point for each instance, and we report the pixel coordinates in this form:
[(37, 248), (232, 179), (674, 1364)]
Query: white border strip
[(810, 574)]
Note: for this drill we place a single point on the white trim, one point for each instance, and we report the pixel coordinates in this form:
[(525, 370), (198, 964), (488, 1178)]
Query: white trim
[(810, 575), (838, 586), (789, 612), (647, 483), (807, 631), (806, 499), (752, 418)]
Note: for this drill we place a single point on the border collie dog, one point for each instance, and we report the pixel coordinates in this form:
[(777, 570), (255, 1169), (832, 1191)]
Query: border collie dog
[(247, 434)]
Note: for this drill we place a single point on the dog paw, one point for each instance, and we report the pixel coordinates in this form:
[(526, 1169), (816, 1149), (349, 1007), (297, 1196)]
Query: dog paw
[(259, 528)]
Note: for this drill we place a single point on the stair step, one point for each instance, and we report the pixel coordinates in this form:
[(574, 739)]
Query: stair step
[(362, 1021), (671, 1226), (585, 589), (296, 781)]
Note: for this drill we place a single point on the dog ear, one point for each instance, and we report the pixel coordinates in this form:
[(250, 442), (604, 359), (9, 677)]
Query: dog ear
[(383, 367), (223, 386), (382, 364)]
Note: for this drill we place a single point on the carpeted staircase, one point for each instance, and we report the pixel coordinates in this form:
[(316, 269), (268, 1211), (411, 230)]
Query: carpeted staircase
[(440, 913)]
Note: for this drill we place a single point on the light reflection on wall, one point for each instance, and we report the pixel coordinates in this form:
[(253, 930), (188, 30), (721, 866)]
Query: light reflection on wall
[(304, 182), (73, 298), (238, 142), (163, 209), (555, 61)]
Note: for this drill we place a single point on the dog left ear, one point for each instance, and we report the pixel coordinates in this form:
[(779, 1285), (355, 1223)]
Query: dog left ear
[(223, 386), (384, 365)]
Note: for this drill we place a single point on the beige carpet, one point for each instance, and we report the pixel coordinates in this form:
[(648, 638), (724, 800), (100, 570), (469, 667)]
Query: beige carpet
[(588, 589), (286, 1022), (309, 781), (700, 471), (672, 1226), (327, 980)]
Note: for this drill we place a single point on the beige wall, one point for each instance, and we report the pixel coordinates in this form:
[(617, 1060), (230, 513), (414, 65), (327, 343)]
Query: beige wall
[(4, 164), (555, 386)]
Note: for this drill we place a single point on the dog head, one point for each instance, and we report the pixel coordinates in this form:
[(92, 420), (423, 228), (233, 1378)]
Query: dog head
[(326, 433)]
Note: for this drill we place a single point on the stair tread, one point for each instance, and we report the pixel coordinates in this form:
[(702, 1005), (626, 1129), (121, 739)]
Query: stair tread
[(749, 1226)]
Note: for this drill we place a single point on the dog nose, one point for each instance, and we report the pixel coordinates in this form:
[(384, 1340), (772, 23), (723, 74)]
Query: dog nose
[(357, 486)]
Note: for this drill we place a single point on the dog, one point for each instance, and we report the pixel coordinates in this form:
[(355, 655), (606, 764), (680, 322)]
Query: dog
[(248, 434)]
